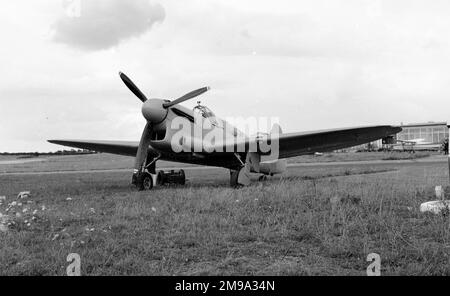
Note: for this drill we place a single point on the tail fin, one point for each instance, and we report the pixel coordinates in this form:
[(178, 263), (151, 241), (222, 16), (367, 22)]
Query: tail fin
[(276, 129)]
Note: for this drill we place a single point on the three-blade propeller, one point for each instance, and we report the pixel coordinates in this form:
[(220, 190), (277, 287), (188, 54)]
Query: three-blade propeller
[(154, 111)]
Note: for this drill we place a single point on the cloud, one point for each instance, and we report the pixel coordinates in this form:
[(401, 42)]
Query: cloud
[(102, 24), (314, 64)]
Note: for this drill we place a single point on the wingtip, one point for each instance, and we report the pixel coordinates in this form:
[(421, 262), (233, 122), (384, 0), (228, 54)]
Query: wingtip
[(395, 129)]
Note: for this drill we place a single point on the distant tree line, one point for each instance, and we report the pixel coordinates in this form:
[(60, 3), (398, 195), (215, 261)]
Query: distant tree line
[(59, 152)]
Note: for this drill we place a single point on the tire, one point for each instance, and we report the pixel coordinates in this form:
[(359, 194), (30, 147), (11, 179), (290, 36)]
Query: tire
[(183, 175), (147, 182), (160, 178), (234, 174)]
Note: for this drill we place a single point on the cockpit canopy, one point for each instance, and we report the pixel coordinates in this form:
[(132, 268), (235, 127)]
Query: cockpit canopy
[(204, 111)]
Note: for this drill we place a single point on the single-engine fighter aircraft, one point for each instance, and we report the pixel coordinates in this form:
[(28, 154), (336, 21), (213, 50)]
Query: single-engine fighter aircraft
[(218, 144)]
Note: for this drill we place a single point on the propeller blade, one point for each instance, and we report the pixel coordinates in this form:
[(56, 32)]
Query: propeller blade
[(186, 97), (141, 154), (134, 89)]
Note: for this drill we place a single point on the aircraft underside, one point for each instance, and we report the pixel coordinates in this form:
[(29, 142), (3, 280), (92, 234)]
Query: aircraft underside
[(239, 165)]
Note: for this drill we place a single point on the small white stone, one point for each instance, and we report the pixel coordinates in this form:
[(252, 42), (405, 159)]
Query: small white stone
[(3, 228), (439, 192), (435, 207)]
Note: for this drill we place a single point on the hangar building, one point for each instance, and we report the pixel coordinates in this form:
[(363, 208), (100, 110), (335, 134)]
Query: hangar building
[(433, 132)]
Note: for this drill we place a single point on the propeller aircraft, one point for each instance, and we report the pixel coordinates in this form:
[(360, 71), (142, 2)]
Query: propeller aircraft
[(207, 140)]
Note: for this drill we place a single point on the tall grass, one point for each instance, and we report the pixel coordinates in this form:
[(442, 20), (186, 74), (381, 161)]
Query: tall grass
[(285, 226)]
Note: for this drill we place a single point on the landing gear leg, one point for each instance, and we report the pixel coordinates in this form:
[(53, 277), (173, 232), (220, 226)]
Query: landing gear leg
[(142, 178), (234, 174), (240, 177)]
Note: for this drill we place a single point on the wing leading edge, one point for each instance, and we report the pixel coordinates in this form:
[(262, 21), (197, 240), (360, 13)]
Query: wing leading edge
[(290, 145), (296, 144), (127, 148)]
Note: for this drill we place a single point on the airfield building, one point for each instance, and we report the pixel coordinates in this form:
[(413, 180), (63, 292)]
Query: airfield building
[(432, 132), (429, 136)]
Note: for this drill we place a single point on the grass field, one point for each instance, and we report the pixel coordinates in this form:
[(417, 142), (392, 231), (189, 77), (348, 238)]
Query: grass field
[(112, 162), (361, 156), (284, 226)]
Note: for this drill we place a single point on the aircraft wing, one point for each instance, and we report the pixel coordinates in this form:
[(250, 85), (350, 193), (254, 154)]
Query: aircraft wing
[(295, 144), (128, 148), (290, 145)]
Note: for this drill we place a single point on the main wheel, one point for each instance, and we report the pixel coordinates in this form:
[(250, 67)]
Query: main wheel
[(146, 182), (234, 178), (160, 178), (183, 176)]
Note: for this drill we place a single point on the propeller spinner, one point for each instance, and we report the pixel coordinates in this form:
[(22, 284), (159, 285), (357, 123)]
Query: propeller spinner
[(155, 110)]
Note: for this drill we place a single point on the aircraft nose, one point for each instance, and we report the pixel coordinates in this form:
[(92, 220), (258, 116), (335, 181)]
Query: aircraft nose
[(153, 110)]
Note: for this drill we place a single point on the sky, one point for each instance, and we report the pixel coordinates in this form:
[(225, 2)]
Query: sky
[(312, 64)]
